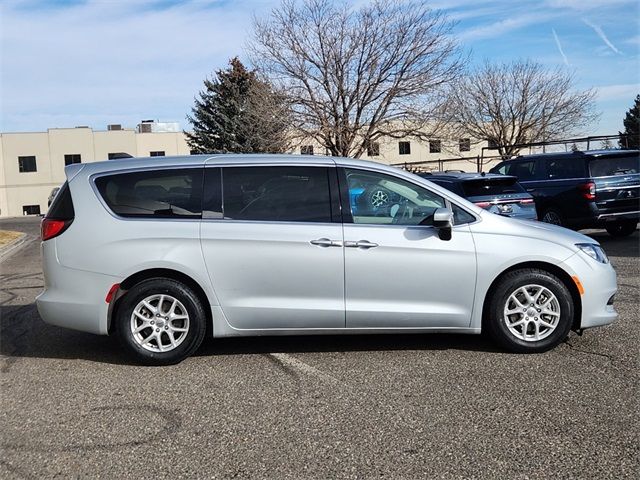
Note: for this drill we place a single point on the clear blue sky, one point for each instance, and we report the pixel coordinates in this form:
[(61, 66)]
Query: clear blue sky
[(94, 62)]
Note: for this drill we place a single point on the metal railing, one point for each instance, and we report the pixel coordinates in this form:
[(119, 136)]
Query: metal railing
[(479, 161)]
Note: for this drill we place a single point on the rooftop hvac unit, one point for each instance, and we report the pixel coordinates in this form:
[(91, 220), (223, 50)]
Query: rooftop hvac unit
[(145, 127)]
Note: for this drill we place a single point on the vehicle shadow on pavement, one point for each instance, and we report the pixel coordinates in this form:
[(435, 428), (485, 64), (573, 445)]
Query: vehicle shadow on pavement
[(345, 343), (24, 335)]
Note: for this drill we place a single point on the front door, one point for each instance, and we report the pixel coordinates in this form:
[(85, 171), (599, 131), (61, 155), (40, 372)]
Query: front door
[(272, 248), (398, 272)]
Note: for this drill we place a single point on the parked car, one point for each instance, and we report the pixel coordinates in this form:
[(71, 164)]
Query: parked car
[(52, 195), (499, 194), (595, 189), (161, 251)]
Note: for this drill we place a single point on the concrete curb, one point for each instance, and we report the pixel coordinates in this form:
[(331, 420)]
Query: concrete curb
[(9, 249)]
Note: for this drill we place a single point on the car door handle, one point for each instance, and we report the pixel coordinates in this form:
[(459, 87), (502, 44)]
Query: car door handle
[(530, 189), (325, 242), (361, 244)]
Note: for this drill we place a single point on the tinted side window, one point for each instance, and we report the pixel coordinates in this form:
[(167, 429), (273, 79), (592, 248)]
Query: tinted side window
[(164, 193), (616, 165), (565, 168), (212, 200), (461, 216), (278, 194), (62, 206), (525, 170), (376, 198)]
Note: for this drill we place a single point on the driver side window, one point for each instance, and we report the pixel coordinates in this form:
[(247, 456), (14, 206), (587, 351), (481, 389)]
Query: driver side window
[(379, 199)]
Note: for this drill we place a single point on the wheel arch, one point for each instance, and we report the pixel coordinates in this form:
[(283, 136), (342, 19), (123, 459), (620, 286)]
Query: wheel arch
[(563, 275), (142, 275)]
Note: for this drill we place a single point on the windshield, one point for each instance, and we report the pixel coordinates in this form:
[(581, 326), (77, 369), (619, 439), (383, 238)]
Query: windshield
[(491, 186), (618, 165)]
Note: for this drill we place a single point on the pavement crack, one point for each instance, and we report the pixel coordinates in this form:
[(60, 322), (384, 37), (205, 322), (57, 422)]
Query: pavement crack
[(610, 358)]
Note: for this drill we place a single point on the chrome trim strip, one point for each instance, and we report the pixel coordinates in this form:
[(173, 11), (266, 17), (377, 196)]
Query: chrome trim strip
[(605, 215)]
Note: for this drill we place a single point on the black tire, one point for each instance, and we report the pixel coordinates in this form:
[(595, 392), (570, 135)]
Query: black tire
[(496, 323), (621, 228), (196, 327), (553, 217)]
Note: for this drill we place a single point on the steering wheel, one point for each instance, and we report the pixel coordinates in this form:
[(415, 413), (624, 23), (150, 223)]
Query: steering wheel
[(399, 211), (379, 198)]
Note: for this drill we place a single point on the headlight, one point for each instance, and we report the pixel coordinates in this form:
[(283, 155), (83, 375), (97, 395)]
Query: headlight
[(594, 251)]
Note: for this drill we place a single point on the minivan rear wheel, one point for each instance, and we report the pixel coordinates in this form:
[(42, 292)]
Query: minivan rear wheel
[(621, 228), (160, 321), (530, 311)]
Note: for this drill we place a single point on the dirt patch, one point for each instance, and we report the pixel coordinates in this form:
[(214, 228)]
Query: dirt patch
[(6, 237)]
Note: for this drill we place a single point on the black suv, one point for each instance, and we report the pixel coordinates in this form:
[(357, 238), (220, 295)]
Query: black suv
[(582, 189)]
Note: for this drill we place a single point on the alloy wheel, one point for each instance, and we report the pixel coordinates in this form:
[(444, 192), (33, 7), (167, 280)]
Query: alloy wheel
[(159, 323), (532, 313)]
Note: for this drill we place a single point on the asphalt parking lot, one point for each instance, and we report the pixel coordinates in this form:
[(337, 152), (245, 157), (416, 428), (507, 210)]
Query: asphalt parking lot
[(445, 406)]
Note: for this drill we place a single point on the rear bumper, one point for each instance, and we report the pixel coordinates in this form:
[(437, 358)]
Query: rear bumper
[(72, 298), (608, 217), (599, 282)]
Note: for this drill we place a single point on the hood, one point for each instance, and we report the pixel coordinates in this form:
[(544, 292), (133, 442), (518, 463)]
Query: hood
[(497, 224)]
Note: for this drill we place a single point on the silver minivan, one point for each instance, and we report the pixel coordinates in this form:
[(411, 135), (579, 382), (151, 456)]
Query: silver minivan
[(163, 251)]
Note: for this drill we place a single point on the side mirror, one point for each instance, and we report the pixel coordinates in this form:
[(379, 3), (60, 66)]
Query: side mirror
[(443, 221)]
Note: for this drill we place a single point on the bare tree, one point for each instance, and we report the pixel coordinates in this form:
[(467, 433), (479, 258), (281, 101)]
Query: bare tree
[(520, 102), (354, 76)]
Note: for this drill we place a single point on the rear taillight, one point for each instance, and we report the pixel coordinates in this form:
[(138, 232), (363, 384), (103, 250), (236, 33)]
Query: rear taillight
[(51, 228), (588, 190), (483, 204)]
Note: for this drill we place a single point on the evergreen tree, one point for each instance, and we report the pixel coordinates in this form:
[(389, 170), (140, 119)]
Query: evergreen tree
[(238, 112), (631, 138)]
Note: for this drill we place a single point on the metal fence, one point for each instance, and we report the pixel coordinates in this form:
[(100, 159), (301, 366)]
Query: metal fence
[(489, 154)]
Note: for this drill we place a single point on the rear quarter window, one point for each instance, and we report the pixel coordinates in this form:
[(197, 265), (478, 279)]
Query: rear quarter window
[(618, 165), (172, 193)]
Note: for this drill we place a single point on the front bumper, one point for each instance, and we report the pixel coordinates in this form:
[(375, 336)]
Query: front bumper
[(599, 283)]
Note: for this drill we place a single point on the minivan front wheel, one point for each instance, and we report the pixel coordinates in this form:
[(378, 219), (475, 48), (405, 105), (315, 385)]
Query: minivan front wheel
[(530, 311), (160, 321)]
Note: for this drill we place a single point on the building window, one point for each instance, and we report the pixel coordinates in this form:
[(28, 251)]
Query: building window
[(435, 146), (306, 150), (373, 150), (157, 153), (27, 164), (492, 144), (31, 209), (465, 144), (71, 158), (404, 148)]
